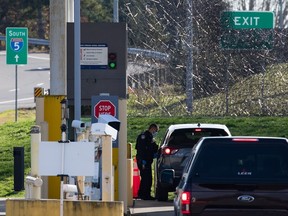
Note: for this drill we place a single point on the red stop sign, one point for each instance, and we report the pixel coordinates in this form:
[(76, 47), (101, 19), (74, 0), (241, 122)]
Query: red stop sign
[(104, 107)]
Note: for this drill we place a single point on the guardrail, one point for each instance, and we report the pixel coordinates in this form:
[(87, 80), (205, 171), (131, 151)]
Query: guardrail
[(31, 41), (132, 51)]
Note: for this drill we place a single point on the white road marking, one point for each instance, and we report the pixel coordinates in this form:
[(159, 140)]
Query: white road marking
[(13, 90), (37, 57), (19, 100)]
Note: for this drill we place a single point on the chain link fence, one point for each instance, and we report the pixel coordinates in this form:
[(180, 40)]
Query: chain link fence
[(225, 82)]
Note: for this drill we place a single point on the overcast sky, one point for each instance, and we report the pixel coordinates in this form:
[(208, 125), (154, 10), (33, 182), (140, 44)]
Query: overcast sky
[(263, 5), (259, 4)]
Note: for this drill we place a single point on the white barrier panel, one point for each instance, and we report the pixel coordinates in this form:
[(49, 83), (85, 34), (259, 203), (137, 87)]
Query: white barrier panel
[(77, 159)]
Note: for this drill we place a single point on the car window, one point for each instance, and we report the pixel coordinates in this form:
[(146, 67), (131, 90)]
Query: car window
[(189, 161), (165, 138), (189, 137), (240, 163)]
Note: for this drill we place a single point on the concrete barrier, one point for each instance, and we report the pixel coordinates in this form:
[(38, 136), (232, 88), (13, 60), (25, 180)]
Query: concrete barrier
[(22, 207)]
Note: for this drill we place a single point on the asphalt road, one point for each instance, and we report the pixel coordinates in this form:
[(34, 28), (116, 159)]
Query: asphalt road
[(151, 208), (35, 74), (2, 206)]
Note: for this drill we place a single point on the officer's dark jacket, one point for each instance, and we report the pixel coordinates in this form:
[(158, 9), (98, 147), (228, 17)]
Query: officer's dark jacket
[(146, 147)]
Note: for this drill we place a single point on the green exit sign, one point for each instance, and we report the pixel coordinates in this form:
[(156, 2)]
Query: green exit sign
[(247, 19), (247, 30), (16, 45)]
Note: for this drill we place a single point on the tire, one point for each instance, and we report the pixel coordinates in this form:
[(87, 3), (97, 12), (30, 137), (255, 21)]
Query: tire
[(161, 193)]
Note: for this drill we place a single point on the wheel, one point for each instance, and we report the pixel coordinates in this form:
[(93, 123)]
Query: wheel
[(161, 193)]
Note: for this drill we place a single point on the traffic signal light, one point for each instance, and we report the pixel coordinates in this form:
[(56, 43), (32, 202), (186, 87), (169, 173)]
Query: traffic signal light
[(112, 61)]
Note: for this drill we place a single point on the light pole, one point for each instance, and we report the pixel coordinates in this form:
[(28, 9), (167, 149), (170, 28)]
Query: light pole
[(280, 14), (77, 71), (189, 66), (116, 11)]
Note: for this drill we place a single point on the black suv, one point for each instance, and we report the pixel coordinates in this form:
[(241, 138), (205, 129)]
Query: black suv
[(235, 176), (174, 151)]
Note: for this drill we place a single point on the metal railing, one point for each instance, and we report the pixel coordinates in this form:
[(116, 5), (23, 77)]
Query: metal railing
[(132, 51)]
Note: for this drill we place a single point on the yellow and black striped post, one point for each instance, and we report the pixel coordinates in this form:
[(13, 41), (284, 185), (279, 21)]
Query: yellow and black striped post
[(38, 92)]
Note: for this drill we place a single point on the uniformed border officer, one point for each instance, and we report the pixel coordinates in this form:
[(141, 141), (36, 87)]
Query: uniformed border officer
[(146, 151)]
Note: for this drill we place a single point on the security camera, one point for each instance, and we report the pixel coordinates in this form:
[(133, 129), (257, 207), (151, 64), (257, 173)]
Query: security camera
[(78, 124), (37, 182), (110, 120), (100, 129)]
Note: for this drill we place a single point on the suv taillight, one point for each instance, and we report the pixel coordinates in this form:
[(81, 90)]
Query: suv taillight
[(245, 140), (169, 151), (185, 202)]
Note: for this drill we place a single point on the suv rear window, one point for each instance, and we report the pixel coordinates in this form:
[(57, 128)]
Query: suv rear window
[(189, 137), (240, 163)]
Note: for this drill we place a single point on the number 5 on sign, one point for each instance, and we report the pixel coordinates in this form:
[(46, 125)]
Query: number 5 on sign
[(16, 45)]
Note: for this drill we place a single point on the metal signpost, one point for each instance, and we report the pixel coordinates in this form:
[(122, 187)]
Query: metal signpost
[(16, 52), (246, 30)]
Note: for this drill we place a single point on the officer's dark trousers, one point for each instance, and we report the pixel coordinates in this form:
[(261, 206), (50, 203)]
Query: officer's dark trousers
[(146, 181)]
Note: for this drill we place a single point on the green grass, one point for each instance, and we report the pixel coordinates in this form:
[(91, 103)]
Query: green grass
[(257, 95), (13, 134), (17, 134)]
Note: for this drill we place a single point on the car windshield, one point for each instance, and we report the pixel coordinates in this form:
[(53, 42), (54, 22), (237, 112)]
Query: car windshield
[(189, 137), (243, 162)]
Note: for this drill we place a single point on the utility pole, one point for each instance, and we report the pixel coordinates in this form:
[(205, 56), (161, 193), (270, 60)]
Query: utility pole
[(116, 11), (77, 70), (58, 47), (189, 64), (281, 30), (280, 14)]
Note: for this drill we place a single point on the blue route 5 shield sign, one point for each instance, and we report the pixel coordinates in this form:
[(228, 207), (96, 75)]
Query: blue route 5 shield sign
[(16, 45)]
